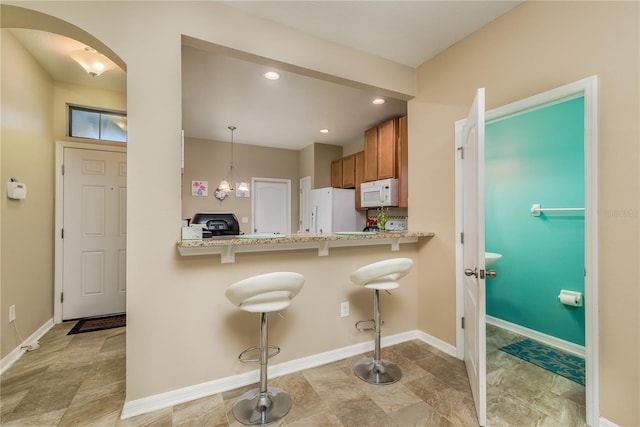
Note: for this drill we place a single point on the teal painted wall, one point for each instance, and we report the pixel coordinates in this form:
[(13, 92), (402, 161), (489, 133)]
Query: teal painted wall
[(536, 157)]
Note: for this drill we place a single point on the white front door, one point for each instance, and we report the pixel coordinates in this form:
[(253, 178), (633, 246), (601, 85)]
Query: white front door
[(473, 255), (271, 205), (95, 229)]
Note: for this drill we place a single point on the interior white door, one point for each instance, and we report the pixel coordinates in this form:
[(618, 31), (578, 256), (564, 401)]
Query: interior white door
[(95, 229), (305, 214), (473, 255), (271, 205)]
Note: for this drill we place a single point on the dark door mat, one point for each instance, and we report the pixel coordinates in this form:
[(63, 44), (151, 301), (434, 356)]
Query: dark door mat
[(91, 324), (551, 359)]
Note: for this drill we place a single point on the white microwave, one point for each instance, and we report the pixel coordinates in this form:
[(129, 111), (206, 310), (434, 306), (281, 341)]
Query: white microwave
[(380, 193)]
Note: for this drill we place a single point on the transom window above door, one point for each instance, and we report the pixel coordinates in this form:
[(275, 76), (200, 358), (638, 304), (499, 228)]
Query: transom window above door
[(103, 125)]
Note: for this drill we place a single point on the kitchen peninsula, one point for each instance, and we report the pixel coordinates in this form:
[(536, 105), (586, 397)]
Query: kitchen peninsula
[(228, 246)]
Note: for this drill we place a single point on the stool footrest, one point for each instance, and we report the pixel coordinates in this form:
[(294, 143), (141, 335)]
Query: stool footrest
[(370, 329), (243, 359)]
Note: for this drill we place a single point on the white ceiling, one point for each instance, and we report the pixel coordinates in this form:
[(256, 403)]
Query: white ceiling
[(219, 91)]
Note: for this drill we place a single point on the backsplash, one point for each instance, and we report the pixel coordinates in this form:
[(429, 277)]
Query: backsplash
[(397, 218)]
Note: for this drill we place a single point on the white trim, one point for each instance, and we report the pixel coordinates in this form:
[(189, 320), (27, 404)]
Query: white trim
[(59, 215), (445, 347), (587, 87), (17, 352), (164, 400), (566, 346), (606, 423)]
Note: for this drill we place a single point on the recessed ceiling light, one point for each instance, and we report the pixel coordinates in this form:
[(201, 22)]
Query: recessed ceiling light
[(379, 101), (272, 75), (324, 130)]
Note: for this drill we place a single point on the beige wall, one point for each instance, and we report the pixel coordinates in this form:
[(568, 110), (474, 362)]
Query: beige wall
[(209, 161), (66, 93), (323, 155), (34, 117), (27, 225), (536, 47), (160, 283), (306, 162), (518, 57), (354, 146)]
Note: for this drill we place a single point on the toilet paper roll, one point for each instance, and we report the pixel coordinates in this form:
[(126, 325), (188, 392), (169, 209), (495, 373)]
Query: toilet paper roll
[(570, 298)]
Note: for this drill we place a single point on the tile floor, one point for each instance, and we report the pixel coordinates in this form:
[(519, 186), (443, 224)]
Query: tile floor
[(78, 380)]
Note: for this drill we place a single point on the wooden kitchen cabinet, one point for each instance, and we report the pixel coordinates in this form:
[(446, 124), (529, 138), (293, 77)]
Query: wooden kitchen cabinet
[(336, 173), (349, 171), (359, 174), (371, 154), (380, 151), (403, 162), (387, 142)]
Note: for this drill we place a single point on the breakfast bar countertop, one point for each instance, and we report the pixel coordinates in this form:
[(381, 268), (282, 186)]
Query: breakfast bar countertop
[(228, 246)]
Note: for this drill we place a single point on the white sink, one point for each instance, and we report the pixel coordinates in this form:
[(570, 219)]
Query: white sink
[(490, 258)]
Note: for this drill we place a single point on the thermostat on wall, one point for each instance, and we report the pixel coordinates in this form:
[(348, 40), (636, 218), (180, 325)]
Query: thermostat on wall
[(16, 190)]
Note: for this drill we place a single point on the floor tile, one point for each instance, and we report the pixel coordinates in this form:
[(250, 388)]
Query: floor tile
[(79, 380)]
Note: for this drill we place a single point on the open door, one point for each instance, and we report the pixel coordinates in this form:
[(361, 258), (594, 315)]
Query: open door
[(473, 255)]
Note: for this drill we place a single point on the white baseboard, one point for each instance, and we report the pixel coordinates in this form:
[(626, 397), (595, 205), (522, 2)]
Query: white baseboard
[(549, 340), (164, 400), (438, 343), (17, 352), (606, 423)]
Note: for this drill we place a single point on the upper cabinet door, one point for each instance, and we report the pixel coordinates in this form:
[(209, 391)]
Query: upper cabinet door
[(371, 154), (336, 173), (387, 137), (349, 171)]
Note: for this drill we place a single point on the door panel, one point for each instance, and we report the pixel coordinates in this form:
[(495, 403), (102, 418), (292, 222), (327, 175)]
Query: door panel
[(272, 206), (94, 243), (473, 255)]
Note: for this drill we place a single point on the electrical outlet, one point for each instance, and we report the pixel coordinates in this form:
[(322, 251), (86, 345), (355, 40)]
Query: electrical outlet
[(12, 313), (344, 309)]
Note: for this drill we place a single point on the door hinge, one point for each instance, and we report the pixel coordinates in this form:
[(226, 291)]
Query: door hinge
[(462, 238), (62, 171), (62, 233), (61, 297), (461, 151), (462, 322)]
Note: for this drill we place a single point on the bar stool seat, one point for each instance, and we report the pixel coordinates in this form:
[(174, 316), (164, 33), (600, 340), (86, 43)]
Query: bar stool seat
[(263, 294), (379, 276)]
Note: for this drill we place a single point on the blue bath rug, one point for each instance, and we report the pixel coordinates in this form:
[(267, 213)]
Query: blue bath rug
[(551, 359)]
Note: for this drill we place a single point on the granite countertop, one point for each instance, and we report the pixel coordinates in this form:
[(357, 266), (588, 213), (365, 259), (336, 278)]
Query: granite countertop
[(228, 246), (264, 239)]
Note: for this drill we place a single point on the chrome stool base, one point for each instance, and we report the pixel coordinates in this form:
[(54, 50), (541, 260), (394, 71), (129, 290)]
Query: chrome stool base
[(377, 372), (253, 409)]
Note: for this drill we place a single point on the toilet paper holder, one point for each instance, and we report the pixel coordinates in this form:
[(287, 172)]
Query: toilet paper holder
[(571, 298)]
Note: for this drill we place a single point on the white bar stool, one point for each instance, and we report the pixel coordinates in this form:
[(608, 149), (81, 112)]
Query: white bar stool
[(263, 294), (379, 276)]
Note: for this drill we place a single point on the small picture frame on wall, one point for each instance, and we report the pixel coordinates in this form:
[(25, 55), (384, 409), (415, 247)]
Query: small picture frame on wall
[(200, 188)]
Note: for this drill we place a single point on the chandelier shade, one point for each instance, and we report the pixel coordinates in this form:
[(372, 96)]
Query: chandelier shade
[(92, 61)]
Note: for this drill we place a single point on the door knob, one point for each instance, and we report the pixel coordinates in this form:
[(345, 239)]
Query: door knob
[(470, 272), (492, 273)]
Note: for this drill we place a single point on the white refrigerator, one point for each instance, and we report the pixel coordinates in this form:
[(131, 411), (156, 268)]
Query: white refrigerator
[(334, 209)]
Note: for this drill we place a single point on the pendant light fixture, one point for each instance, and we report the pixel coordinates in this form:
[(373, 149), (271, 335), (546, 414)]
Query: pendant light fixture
[(226, 184)]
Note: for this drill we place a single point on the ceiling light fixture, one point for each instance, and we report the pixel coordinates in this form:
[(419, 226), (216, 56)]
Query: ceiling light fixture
[(324, 130), (272, 75), (92, 61), (379, 101)]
